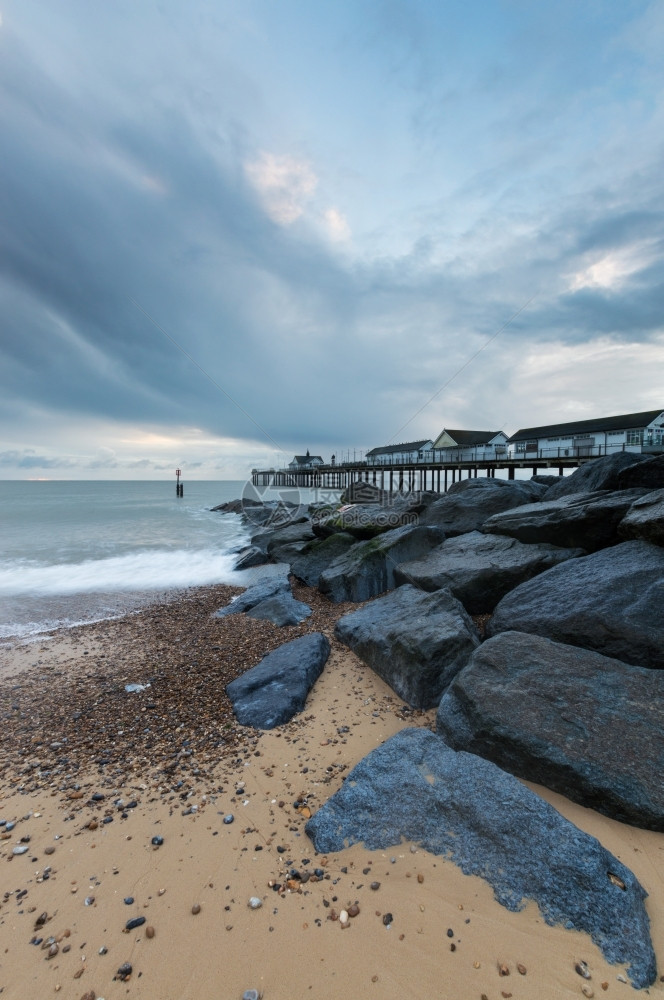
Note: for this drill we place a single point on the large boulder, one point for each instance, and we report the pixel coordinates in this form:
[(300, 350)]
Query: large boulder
[(587, 520), (600, 474), (610, 601), (416, 642), (587, 726), (262, 590), (648, 474), (317, 555), (467, 504), (282, 609), (485, 821), (285, 544), (367, 569), (363, 521), (273, 691), (480, 569), (645, 519)]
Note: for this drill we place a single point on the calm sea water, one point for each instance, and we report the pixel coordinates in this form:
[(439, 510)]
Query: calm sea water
[(74, 552)]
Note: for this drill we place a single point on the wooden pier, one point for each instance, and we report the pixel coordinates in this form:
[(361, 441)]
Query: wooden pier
[(436, 476)]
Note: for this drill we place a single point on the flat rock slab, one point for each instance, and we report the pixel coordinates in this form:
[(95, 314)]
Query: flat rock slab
[(586, 520), (600, 474), (367, 569), (282, 609), (610, 601), (317, 555), (645, 519), (587, 726), (276, 689), (416, 642), (262, 590), (467, 505), (480, 569), (414, 787)]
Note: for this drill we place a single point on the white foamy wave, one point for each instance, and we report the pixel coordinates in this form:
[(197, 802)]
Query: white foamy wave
[(153, 569)]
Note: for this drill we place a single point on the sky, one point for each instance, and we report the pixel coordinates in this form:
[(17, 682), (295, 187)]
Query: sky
[(235, 230)]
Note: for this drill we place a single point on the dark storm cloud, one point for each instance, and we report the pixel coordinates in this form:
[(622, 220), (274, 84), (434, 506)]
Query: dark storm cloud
[(103, 201)]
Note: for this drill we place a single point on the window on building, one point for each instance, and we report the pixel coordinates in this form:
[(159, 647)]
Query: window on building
[(634, 437)]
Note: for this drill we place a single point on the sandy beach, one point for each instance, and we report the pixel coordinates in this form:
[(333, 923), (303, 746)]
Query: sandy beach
[(91, 773)]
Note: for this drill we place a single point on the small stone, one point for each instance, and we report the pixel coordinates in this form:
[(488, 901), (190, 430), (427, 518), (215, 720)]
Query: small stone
[(587, 990), (374, 979), (149, 931), (450, 932), (521, 969), (134, 923), (53, 950), (196, 909), (582, 969), (375, 886), (228, 820), (255, 903), (49, 850), (420, 878), (251, 995), (387, 919), (353, 910), (605, 986), (89, 900), (503, 970), (157, 841), (103, 950), (20, 849), (128, 900), (124, 972)]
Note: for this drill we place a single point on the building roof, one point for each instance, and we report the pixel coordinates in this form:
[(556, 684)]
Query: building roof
[(392, 449), (469, 439), (306, 459), (623, 422)]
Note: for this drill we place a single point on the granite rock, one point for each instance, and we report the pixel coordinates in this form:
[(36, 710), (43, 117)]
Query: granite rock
[(273, 691), (282, 609), (645, 519), (262, 590), (367, 569), (599, 474), (610, 601), (587, 520), (480, 569), (415, 788), (318, 554), (467, 504), (416, 642), (587, 726)]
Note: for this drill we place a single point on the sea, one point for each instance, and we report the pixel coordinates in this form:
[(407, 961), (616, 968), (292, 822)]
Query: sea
[(74, 552)]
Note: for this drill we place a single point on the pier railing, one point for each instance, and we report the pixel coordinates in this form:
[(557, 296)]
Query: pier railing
[(437, 469)]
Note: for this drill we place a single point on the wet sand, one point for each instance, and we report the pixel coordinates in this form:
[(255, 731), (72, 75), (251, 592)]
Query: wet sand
[(171, 762)]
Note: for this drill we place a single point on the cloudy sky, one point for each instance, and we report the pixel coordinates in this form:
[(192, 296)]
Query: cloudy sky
[(235, 229)]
